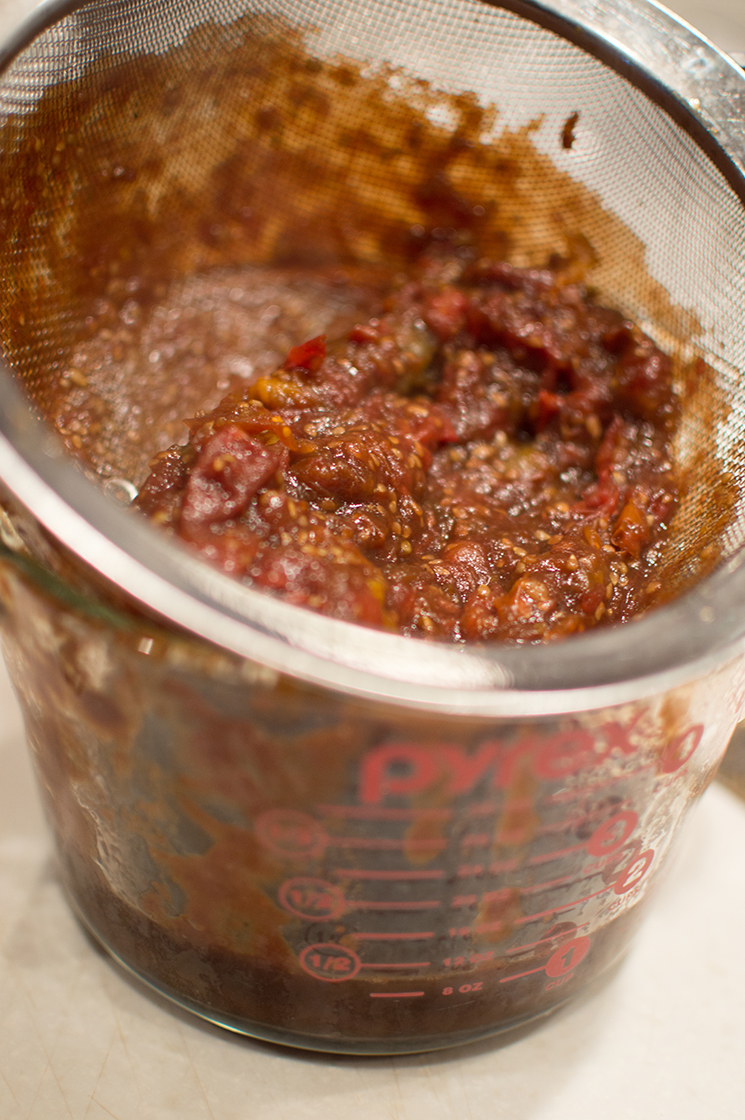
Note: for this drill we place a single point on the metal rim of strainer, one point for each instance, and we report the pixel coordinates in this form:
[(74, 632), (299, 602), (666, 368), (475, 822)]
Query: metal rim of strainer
[(704, 92)]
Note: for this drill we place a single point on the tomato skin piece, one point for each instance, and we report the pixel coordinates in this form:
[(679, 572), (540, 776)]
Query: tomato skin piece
[(231, 468), (308, 356)]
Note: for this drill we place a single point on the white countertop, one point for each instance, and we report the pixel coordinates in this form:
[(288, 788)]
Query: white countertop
[(664, 1040), (722, 21)]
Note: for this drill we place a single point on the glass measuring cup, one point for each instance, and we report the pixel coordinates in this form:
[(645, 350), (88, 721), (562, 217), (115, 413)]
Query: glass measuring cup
[(346, 875), (349, 843)]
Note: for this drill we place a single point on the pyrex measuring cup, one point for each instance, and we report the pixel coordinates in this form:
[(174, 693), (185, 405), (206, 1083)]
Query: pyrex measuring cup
[(341, 873), (320, 835)]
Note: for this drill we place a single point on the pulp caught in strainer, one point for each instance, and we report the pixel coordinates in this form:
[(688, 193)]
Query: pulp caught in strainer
[(484, 451), (488, 458)]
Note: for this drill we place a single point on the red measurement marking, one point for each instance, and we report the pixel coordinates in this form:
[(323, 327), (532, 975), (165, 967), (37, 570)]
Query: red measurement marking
[(567, 957), (606, 838), (290, 833), (475, 870), (545, 940), (382, 845), (411, 964), (680, 749), (354, 873), (561, 963), (330, 962), (558, 909), (547, 885), (372, 813), (502, 865), (461, 901), (483, 809), (312, 898), (473, 958), (609, 837), (433, 905), (634, 872), (486, 927), (572, 821), (393, 936), (514, 804), (518, 975), (394, 995), (571, 794), (548, 856), (496, 927)]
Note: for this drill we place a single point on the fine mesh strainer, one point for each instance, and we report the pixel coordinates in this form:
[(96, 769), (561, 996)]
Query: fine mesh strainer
[(120, 122), (230, 777)]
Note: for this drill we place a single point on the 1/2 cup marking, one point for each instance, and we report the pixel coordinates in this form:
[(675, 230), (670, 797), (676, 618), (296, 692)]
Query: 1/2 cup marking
[(330, 962), (313, 899)]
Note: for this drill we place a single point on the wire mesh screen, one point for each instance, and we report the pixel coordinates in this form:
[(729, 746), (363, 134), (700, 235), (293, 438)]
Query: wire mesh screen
[(147, 142)]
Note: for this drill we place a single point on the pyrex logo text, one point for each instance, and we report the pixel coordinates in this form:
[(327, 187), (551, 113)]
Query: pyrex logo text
[(402, 768)]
